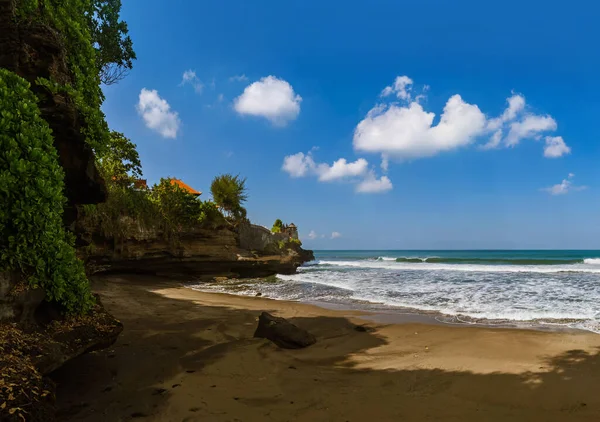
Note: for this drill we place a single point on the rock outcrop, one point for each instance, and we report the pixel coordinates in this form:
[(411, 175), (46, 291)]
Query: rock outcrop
[(34, 50), (282, 332), (198, 252), (34, 339)]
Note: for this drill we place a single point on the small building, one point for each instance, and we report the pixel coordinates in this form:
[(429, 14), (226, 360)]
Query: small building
[(140, 184), (185, 187), (291, 230)]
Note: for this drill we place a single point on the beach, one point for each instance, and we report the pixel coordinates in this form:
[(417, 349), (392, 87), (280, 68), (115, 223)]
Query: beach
[(186, 355)]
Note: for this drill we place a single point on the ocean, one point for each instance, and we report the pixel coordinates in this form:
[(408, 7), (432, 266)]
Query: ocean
[(549, 288)]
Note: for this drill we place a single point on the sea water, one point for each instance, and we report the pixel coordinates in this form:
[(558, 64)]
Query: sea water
[(549, 287)]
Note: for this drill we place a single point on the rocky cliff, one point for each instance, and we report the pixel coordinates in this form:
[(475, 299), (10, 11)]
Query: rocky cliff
[(243, 251), (34, 338)]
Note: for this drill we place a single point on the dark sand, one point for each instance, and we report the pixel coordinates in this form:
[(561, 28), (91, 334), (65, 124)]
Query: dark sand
[(190, 356)]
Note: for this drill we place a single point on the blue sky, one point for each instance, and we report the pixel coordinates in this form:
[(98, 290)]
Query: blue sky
[(412, 95)]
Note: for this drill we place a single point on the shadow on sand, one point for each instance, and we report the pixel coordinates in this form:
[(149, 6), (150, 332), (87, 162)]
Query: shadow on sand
[(178, 358)]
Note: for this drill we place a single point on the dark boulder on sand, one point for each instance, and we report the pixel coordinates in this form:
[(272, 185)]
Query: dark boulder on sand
[(282, 332)]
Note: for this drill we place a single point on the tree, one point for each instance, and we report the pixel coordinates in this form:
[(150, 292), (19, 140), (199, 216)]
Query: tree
[(229, 192), (33, 241), (277, 226), (120, 161), (114, 48)]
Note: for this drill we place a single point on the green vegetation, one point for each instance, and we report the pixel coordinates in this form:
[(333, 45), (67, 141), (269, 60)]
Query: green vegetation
[(229, 192), (277, 226), (114, 48), (33, 240), (131, 206), (290, 243), (71, 18)]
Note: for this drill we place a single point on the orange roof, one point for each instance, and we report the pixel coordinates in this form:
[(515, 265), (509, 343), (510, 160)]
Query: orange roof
[(185, 187)]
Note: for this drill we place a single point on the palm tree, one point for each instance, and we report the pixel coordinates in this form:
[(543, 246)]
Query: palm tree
[(229, 192)]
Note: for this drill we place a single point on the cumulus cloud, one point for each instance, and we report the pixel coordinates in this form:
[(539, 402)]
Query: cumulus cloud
[(555, 147), (405, 130), (529, 127), (190, 78), (371, 184), (312, 235), (271, 98), (408, 132), (564, 187), (300, 165), (341, 169), (401, 87), (238, 78), (157, 113), (335, 235)]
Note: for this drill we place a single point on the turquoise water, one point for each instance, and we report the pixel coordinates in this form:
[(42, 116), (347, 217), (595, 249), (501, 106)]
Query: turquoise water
[(499, 257), (541, 287)]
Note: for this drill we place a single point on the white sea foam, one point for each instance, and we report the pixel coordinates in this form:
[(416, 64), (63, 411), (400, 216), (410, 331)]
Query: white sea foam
[(466, 267), (562, 294)]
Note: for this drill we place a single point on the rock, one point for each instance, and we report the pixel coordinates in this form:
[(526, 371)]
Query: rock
[(18, 302), (258, 294), (282, 332), (32, 50), (208, 254), (363, 329)]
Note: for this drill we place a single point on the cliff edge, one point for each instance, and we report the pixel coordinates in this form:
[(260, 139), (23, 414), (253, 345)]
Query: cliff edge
[(245, 250)]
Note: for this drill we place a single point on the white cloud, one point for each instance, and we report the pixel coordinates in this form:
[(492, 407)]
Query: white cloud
[(271, 98), (300, 165), (238, 78), (555, 147), (408, 132), (313, 235), (189, 77), (401, 87), (373, 185), (516, 104), (385, 162), (341, 169), (529, 127), (157, 113), (564, 187), (335, 235)]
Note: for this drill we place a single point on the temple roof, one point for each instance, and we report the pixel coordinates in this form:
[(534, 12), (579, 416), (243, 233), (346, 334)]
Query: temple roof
[(185, 187)]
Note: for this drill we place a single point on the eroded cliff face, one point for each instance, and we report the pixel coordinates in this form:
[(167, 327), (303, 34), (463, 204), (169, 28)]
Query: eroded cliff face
[(221, 252), (34, 337), (34, 50)]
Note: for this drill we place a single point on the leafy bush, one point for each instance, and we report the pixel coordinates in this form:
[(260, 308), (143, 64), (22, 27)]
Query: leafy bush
[(210, 216), (294, 241), (177, 208), (33, 240), (277, 226), (229, 192), (70, 19)]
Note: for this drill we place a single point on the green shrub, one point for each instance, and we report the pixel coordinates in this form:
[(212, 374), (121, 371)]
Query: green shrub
[(277, 226), (229, 192), (33, 240), (210, 216)]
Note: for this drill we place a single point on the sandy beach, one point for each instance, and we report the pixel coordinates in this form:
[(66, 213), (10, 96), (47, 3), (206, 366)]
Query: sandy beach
[(186, 355)]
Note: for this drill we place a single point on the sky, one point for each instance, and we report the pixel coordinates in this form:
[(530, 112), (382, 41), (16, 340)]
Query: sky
[(428, 124)]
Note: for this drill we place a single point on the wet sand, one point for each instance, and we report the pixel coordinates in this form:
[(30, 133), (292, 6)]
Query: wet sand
[(190, 356)]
